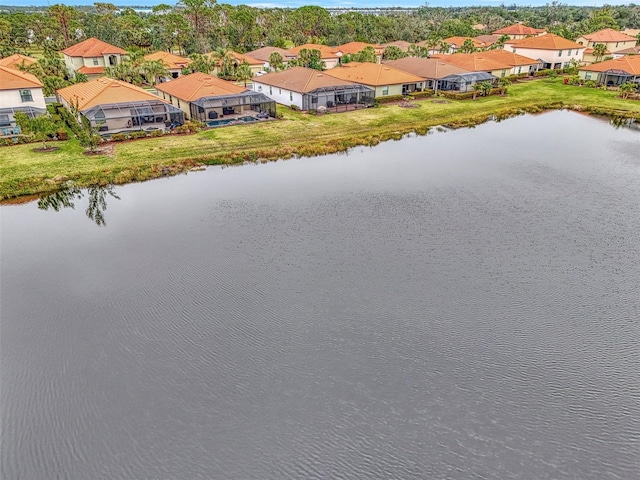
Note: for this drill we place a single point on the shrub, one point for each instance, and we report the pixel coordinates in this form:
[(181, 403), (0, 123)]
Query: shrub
[(138, 134), (182, 129), (157, 133), (425, 93), (542, 73), (590, 84), (295, 108), (458, 96), (119, 137), (390, 98)]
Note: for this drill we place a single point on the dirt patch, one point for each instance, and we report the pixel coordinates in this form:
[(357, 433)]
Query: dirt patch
[(405, 104), (106, 149), (45, 149), (440, 101)]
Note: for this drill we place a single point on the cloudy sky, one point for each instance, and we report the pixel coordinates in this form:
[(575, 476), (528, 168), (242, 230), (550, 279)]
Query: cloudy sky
[(327, 3)]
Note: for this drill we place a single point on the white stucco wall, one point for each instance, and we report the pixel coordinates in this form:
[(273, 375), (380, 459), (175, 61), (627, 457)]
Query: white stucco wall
[(548, 56), (11, 98), (280, 95)]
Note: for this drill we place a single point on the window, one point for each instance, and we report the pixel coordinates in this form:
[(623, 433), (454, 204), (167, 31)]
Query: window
[(569, 53), (170, 98), (280, 91), (519, 69), (291, 96), (270, 91), (560, 53), (385, 90), (178, 102), (504, 72), (26, 96), (95, 61), (4, 120), (514, 50), (617, 43), (587, 75)]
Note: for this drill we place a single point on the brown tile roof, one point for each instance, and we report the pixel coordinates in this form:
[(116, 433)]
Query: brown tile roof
[(356, 47), (92, 47), (628, 63), (16, 60), (103, 90), (425, 67), (634, 32), (169, 60), (199, 85), (510, 58), (401, 44), (474, 62), (629, 51), (326, 52), (301, 79), (375, 74), (488, 40), (12, 79), (548, 41), (91, 70), (245, 58), (518, 29), (608, 35), (458, 41), (265, 52)]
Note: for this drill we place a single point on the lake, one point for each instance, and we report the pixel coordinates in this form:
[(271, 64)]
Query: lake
[(463, 305)]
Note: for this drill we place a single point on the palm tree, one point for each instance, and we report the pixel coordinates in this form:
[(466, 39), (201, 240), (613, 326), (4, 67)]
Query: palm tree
[(467, 46), (244, 73), (477, 87), (444, 47), (599, 51), (504, 85), (275, 61), (486, 88), (152, 69)]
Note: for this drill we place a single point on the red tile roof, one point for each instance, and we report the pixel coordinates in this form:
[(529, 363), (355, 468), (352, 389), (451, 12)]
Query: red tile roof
[(91, 70), (12, 79), (374, 74), (199, 85), (628, 63), (325, 51), (548, 41), (519, 29), (169, 60), (301, 79), (92, 47), (16, 60), (356, 47), (265, 52)]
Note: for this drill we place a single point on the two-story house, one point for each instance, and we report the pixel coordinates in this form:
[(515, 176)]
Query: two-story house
[(91, 56), (551, 50), (19, 92)]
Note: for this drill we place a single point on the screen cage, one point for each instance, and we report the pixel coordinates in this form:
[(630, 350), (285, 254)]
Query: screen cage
[(253, 104)]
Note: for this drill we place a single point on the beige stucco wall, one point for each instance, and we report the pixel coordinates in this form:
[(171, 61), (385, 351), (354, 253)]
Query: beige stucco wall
[(12, 98), (611, 46)]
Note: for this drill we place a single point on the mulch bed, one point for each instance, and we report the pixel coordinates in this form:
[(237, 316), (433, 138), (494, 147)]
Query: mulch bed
[(45, 149)]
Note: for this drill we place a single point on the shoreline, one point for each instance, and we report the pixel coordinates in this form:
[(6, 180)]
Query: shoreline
[(24, 173)]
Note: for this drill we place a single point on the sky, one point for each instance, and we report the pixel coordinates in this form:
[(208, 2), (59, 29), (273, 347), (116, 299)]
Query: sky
[(329, 3)]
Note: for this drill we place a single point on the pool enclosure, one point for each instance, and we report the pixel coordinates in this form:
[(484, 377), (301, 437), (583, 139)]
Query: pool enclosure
[(129, 116), (463, 82), (253, 104), (7, 117), (339, 98), (614, 78)]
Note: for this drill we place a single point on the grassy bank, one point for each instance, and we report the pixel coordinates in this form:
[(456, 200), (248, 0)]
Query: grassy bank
[(23, 172)]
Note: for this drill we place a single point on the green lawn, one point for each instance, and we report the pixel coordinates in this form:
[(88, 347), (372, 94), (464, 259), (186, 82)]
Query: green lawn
[(23, 172)]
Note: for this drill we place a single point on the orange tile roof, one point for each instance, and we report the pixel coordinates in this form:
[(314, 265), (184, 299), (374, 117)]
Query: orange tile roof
[(425, 67), (16, 60), (475, 62), (458, 41), (589, 51), (199, 85), (265, 52), (245, 58), (326, 52), (373, 74), (548, 41), (91, 70), (12, 79), (301, 79), (628, 63), (92, 47), (608, 35), (356, 47), (103, 90), (510, 58), (169, 60), (488, 40), (519, 29)]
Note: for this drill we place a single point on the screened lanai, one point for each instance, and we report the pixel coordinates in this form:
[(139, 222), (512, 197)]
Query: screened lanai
[(463, 82), (129, 116), (7, 114), (613, 78), (339, 98), (253, 104)]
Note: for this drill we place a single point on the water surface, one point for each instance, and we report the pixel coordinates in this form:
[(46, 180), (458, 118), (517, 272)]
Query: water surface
[(461, 305)]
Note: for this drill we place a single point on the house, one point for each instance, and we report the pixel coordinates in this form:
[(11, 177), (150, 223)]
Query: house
[(627, 51), (488, 40), (386, 80), (17, 61), (310, 89), (401, 44), (455, 44), (589, 55), (551, 50), (432, 70), (477, 62), (519, 63), (612, 39), (519, 31), (264, 54), (613, 72), (255, 65), (19, 92), (173, 63), (353, 48), (208, 98), (114, 106), (329, 56), (91, 56)]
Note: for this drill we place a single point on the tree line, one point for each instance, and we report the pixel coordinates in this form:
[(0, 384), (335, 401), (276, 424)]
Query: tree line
[(200, 26)]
